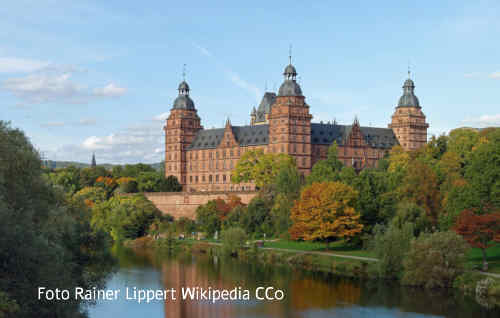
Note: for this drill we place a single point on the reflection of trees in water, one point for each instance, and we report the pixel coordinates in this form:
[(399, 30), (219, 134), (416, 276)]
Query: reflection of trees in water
[(431, 302), (304, 290), (309, 293)]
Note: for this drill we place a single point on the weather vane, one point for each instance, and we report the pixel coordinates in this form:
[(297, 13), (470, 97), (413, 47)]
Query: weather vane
[(184, 72), (290, 54)]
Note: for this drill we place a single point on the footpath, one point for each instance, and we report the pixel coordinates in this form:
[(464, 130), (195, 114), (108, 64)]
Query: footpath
[(359, 258)]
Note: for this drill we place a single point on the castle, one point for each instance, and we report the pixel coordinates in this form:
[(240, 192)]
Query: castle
[(202, 159)]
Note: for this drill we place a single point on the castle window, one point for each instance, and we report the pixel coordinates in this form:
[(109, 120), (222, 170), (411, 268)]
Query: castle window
[(203, 178), (224, 178), (304, 161), (210, 178), (217, 178), (196, 179), (190, 179)]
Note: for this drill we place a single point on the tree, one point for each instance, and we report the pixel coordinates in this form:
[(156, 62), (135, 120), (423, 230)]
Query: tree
[(328, 169), (435, 260), (207, 218), (125, 217), (259, 167), (483, 174), (91, 195), (410, 213), (420, 185), (233, 239), (391, 245), (325, 212), (155, 182), (256, 218), (171, 184), (46, 239), (372, 203), (479, 230)]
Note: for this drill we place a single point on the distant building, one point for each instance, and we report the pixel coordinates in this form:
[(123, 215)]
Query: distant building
[(202, 159), (93, 163)]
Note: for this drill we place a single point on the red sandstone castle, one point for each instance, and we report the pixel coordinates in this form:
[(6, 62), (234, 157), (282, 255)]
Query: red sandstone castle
[(202, 159)]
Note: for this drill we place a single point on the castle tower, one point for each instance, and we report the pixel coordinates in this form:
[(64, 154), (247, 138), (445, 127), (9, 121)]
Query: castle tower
[(181, 127), (408, 120), (290, 122)]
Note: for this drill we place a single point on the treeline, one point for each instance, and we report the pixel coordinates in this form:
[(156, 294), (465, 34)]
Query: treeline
[(46, 236), (120, 179), (445, 194), (114, 197)]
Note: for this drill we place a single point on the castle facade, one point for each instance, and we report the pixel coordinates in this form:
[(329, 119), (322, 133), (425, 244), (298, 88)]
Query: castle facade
[(202, 159)]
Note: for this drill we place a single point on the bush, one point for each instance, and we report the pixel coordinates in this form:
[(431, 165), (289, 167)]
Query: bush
[(390, 247), (409, 212), (435, 260), (233, 239)]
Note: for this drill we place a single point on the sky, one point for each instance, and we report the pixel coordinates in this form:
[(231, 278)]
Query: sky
[(80, 77)]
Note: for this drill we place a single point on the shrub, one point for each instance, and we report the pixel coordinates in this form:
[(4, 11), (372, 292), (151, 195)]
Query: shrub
[(233, 239), (390, 247), (435, 260)]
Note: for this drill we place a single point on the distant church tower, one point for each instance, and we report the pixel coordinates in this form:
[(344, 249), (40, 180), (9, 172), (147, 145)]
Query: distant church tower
[(93, 163), (408, 120), (181, 128)]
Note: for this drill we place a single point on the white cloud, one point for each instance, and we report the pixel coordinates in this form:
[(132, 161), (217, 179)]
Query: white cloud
[(140, 143), (41, 87), (202, 50), (54, 83), (87, 122), (161, 117), (472, 75), (17, 65), (110, 90), (495, 75), (238, 81), (53, 124), (233, 76), (484, 120)]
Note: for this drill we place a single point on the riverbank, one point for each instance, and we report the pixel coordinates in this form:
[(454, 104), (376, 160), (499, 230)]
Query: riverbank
[(354, 264)]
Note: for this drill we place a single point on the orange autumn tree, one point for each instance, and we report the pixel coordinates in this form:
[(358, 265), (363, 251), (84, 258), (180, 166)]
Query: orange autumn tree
[(325, 211), (479, 230), (225, 207)]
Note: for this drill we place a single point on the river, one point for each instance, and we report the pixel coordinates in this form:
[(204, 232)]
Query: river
[(307, 294)]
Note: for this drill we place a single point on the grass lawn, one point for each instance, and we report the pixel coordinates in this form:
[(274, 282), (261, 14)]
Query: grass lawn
[(475, 258), (338, 247)]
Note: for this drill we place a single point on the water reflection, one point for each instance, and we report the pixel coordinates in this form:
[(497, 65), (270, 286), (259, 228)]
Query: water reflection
[(307, 294)]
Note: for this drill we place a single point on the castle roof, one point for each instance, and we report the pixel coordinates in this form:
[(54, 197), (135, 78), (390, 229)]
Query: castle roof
[(326, 134), (321, 134), (408, 99), (265, 106), (245, 136)]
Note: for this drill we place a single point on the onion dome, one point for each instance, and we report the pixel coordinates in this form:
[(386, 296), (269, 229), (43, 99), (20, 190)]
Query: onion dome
[(290, 87), (183, 101), (290, 72), (183, 87), (408, 99)]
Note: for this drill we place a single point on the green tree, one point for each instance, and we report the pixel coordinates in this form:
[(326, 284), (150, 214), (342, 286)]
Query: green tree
[(326, 170), (259, 167), (46, 239), (207, 218), (435, 260), (390, 246), (233, 240)]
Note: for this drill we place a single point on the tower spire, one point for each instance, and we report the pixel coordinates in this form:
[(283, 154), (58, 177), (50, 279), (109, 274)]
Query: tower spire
[(290, 54), (184, 72), (409, 72)]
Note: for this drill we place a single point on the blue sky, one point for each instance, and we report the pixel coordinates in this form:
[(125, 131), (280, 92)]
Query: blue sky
[(85, 76)]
